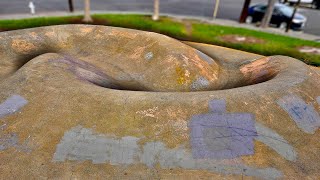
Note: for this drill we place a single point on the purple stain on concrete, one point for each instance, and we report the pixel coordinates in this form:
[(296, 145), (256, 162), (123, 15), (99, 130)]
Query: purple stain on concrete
[(12, 105), (304, 115), (200, 83), (217, 106), (220, 135)]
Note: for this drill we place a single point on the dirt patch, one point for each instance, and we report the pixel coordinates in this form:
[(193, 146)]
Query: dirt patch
[(241, 39), (309, 50)]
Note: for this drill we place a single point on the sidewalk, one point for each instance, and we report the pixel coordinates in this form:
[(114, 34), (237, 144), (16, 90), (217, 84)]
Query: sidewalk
[(224, 22)]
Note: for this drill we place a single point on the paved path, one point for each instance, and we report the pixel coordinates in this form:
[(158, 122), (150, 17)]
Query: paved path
[(229, 9)]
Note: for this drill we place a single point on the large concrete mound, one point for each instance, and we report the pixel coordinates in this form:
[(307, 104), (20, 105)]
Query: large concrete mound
[(86, 102)]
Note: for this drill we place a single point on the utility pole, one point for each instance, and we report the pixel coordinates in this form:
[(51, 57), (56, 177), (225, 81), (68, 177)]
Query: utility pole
[(244, 12), (216, 7), (70, 5), (268, 14), (155, 15), (87, 17), (293, 14)]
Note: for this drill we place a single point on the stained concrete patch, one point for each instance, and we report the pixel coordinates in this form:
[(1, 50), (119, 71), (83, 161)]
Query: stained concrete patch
[(8, 140), (205, 57), (79, 144), (156, 152), (318, 100), (200, 83), (222, 135), (12, 105), (275, 141), (12, 141), (148, 56), (304, 115), (217, 106)]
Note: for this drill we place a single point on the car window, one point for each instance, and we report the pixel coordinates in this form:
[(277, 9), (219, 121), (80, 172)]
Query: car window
[(261, 8), (286, 11)]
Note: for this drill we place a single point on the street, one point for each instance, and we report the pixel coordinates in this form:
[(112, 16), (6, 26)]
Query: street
[(229, 9)]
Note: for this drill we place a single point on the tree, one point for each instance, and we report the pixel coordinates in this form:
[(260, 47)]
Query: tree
[(70, 2), (245, 10), (155, 15), (267, 16), (216, 7), (87, 17)]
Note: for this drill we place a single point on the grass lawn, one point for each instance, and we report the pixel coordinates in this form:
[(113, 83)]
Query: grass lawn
[(191, 30)]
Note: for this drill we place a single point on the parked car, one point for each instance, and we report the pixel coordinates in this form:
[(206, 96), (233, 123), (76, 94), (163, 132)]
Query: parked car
[(314, 3), (280, 18)]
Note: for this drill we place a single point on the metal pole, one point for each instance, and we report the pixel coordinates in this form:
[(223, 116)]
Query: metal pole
[(292, 17), (216, 7)]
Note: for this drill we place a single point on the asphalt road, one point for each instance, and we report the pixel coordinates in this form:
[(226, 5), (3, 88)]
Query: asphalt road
[(229, 9)]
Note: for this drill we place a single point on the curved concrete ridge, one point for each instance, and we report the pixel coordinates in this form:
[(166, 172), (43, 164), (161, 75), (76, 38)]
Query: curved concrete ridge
[(67, 108)]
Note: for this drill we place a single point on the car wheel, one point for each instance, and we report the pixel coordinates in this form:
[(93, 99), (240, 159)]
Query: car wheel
[(249, 19), (283, 25)]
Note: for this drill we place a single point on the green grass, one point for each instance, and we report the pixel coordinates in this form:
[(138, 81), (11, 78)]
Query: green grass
[(165, 25), (185, 30), (273, 44)]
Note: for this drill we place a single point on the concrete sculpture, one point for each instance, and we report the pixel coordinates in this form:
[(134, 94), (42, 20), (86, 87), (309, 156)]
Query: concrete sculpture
[(80, 101)]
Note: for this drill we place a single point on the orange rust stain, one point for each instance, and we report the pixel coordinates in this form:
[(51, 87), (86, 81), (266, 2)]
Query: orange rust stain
[(202, 67), (22, 46), (257, 65), (258, 69)]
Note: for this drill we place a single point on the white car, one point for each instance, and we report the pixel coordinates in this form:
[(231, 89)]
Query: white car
[(292, 2), (313, 3), (302, 1)]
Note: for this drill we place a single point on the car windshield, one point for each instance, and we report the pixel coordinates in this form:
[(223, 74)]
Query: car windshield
[(286, 10)]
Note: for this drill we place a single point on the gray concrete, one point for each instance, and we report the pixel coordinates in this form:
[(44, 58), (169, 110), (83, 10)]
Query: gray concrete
[(275, 141), (229, 9), (304, 115), (12, 105), (80, 144)]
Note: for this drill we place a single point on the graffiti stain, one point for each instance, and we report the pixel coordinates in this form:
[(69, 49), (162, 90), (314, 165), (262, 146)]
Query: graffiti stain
[(304, 115), (80, 144)]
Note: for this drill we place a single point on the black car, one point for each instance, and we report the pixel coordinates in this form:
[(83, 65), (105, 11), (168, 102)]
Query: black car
[(280, 17)]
